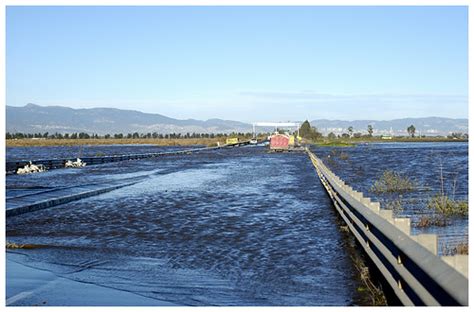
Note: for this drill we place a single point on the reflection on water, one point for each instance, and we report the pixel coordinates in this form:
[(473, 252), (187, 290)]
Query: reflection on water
[(227, 227)]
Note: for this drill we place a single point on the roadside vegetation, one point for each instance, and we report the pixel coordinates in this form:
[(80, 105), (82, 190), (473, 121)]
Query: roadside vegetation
[(370, 287)]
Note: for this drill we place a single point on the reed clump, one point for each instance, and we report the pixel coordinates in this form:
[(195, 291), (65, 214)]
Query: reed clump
[(392, 182), (427, 221), (448, 207)]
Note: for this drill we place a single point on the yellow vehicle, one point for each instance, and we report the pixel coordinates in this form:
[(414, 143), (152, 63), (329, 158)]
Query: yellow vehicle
[(232, 141), (291, 141)]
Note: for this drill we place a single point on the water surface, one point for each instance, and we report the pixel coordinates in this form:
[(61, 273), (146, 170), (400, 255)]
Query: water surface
[(226, 227)]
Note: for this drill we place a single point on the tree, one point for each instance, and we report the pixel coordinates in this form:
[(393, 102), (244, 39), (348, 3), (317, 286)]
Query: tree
[(331, 136), (411, 130), (305, 129), (308, 132), (370, 130), (315, 134), (350, 130)]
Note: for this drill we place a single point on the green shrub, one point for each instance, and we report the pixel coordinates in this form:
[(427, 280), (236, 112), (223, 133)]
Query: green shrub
[(448, 207), (392, 182)]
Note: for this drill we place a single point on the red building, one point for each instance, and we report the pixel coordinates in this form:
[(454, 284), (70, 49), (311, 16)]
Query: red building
[(279, 141)]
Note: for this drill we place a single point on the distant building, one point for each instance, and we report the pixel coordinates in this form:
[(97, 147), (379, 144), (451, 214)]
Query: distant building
[(386, 137)]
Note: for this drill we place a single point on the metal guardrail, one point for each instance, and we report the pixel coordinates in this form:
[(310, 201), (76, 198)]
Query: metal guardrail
[(409, 263), (12, 166)]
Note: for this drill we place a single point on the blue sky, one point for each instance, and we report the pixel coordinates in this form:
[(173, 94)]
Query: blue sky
[(242, 63)]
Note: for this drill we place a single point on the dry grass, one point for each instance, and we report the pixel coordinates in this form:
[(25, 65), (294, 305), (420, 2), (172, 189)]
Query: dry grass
[(20, 246), (460, 249), (75, 142), (426, 221), (374, 292)]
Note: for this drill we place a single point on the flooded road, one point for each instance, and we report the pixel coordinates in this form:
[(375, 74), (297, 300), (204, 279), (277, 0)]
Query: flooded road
[(227, 227)]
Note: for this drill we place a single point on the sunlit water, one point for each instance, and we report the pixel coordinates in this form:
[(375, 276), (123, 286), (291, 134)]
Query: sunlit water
[(226, 227)]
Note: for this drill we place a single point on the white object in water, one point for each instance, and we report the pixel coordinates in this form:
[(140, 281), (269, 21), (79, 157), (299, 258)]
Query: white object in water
[(75, 164), (31, 168)]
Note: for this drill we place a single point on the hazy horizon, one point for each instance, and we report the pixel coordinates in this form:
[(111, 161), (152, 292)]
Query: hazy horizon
[(242, 63), (299, 120)]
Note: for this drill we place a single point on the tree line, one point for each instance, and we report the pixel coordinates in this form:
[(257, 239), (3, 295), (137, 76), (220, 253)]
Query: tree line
[(134, 135), (308, 132)]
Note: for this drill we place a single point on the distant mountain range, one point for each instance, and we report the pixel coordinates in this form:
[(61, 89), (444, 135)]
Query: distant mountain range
[(34, 118)]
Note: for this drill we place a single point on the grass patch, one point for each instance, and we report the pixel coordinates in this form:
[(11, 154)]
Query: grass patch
[(392, 182), (448, 207)]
